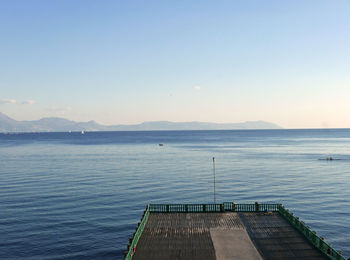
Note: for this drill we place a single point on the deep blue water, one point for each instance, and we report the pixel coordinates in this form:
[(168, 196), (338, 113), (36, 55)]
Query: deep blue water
[(71, 196)]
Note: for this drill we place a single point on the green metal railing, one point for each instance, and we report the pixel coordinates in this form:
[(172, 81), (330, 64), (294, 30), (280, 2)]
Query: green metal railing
[(137, 235), (224, 207), (311, 236)]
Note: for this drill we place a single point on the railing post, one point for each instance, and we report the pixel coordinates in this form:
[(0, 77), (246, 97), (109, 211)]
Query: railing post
[(222, 207), (204, 208), (339, 256), (314, 235), (167, 208), (297, 222), (256, 206), (303, 227), (280, 207), (322, 243), (328, 249)]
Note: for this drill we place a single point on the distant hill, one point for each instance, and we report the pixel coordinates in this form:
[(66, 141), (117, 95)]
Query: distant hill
[(166, 125), (56, 124)]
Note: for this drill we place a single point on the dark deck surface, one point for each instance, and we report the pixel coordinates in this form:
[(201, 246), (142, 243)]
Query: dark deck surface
[(197, 236)]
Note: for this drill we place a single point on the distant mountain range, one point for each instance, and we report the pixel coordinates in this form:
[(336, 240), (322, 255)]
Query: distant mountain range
[(56, 124)]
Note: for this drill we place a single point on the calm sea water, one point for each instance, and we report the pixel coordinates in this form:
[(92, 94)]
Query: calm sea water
[(71, 196)]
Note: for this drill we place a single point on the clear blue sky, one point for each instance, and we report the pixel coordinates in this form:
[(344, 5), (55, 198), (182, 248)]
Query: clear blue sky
[(286, 62)]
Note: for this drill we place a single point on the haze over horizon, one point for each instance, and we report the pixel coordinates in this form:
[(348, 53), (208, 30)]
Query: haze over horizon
[(130, 62)]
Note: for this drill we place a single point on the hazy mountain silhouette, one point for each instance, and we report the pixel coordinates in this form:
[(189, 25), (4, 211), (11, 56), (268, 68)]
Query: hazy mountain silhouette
[(56, 124)]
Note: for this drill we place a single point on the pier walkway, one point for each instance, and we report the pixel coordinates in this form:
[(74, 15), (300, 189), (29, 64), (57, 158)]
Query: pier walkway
[(224, 232)]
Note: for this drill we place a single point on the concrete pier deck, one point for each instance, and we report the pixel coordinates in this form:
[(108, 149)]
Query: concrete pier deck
[(228, 235)]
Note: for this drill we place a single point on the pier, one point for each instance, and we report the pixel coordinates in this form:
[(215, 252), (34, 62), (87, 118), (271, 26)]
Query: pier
[(225, 231)]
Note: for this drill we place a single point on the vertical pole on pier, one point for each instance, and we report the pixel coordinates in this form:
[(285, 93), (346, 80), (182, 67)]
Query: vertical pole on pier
[(214, 180)]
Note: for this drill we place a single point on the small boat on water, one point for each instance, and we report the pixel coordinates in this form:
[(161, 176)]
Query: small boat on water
[(161, 144), (82, 132), (329, 159)]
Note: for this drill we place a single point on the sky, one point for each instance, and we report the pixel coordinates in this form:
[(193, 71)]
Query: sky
[(126, 62)]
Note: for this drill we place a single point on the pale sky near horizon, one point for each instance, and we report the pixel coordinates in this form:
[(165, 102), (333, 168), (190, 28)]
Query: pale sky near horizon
[(124, 62)]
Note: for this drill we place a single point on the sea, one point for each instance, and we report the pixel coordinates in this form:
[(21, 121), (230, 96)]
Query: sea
[(80, 196)]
